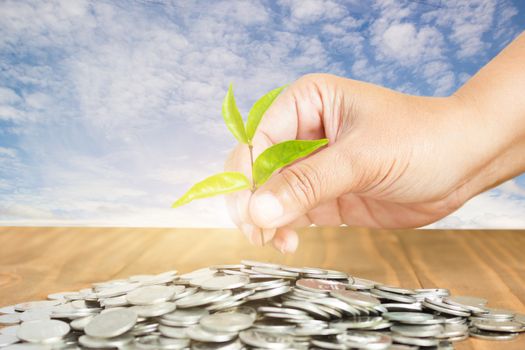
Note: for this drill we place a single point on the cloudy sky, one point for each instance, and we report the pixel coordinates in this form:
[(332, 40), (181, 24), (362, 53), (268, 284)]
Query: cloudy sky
[(109, 110)]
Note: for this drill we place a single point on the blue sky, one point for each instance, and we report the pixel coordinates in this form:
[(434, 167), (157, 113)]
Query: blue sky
[(110, 109)]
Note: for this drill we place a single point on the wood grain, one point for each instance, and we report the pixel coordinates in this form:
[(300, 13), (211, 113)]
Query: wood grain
[(491, 264)]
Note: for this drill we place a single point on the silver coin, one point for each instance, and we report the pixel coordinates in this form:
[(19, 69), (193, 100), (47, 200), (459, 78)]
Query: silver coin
[(410, 317), (286, 317), (381, 294), (453, 330), (149, 295), (310, 308), (153, 310), (302, 270), (319, 285), (162, 278), (39, 304), (42, 331), (228, 267), (261, 339), (338, 305), (27, 346), (8, 309), (355, 298), (415, 341), (444, 310), (111, 324), (360, 322), (6, 339), (284, 310), (182, 292), (490, 335), (247, 310), (394, 289), (173, 332), (187, 316), (105, 343), (440, 303), (269, 293), (10, 318), (252, 263), (198, 274), (198, 333), (202, 298), (225, 304), (231, 345), (155, 342), (115, 290), (362, 284), (272, 283), (35, 314), (498, 326), (366, 340), (402, 307), (417, 331), (10, 330), (224, 282), (79, 323), (328, 344), (315, 331), (275, 272), (442, 292), (226, 322), (498, 314), (115, 301)]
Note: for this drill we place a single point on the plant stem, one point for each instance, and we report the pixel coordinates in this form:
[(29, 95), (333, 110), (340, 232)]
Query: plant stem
[(250, 147)]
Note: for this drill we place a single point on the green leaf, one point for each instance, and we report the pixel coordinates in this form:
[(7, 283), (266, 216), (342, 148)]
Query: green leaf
[(282, 154), (258, 109), (214, 185), (232, 117)]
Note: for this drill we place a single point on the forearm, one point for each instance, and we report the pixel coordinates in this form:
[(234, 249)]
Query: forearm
[(494, 104)]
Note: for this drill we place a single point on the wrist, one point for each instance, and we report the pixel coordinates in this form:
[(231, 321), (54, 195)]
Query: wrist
[(493, 142)]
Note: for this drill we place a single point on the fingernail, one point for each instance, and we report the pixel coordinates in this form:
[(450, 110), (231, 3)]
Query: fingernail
[(256, 238), (268, 234), (288, 247), (279, 244), (267, 208)]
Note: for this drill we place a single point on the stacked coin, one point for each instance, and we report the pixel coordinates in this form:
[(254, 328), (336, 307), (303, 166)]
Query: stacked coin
[(252, 305)]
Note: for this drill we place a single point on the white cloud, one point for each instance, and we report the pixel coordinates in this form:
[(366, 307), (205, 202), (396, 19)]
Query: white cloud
[(7, 152), (408, 45), (468, 21), (307, 11), (8, 96)]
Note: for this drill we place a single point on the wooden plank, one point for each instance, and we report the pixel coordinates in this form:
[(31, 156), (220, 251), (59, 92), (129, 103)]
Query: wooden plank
[(37, 261)]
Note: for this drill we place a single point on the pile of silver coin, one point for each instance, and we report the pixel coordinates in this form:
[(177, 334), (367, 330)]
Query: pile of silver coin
[(252, 305)]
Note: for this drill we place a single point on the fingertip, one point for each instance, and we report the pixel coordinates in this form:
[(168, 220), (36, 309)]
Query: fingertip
[(268, 234)]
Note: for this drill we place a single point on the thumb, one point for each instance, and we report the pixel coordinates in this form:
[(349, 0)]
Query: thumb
[(300, 187)]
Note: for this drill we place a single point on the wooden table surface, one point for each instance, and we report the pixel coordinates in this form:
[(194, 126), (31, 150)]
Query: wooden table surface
[(491, 264)]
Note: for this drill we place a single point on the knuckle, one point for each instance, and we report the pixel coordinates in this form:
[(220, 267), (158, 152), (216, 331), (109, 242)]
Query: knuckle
[(304, 184)]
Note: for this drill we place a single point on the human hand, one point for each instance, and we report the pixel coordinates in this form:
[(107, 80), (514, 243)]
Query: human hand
[(393, 161)]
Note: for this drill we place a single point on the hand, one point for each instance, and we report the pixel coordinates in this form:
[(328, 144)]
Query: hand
[(393, 160)]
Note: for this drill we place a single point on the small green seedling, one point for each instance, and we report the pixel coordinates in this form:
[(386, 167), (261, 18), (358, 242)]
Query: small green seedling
[(270, 160)]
